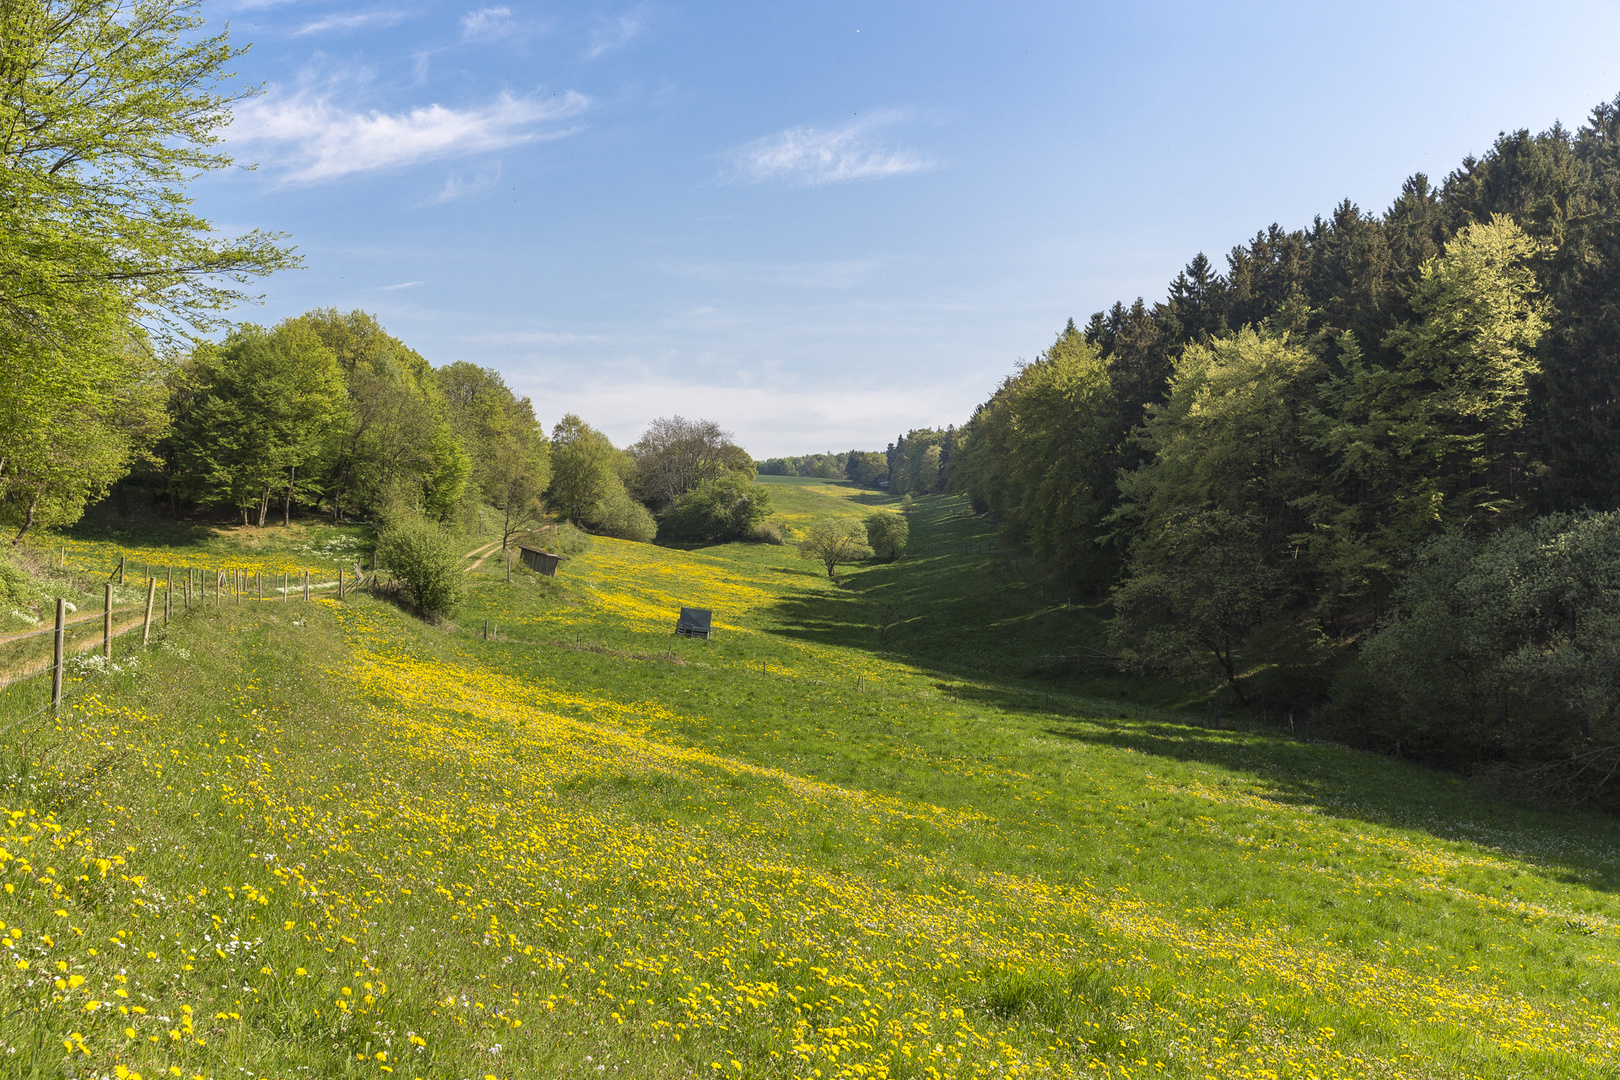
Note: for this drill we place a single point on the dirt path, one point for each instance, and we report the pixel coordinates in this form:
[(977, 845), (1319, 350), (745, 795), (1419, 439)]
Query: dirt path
[(483, 553)]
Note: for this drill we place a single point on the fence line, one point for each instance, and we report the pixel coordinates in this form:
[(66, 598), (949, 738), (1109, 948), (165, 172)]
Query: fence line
[(230, 586)]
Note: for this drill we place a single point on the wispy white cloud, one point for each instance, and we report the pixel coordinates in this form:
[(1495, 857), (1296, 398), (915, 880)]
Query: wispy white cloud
[(353, 21), (486, 24), (806, 155), (467, 186), (401, 285), (615, 33), (324, 141)]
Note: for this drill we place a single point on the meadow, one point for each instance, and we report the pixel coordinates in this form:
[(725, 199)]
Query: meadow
[(850, 836)]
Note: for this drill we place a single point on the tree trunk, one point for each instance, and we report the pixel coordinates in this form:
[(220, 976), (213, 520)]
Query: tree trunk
[(264, 507), (286, 507), (28, 524)]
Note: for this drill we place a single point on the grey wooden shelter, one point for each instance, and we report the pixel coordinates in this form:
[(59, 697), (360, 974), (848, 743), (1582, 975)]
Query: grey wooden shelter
[(541, 562), (695, 622)]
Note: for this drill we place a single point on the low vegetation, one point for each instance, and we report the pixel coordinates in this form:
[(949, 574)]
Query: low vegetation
[(845, 836)]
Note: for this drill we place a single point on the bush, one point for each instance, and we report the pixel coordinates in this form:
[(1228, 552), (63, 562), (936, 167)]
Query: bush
[(617, 514), (14, 583), (1504, 650), (887, 532), (718, 510), (424, 559), (766, 532)]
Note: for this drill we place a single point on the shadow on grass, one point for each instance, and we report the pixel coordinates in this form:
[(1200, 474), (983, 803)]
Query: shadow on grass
[(1371, 788), (973, 617)]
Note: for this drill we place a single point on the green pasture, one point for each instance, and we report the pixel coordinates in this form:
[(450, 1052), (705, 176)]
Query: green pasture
[(855, 834)]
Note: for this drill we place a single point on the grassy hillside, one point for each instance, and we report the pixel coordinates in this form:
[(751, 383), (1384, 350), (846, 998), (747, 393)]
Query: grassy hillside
[(847, 837)]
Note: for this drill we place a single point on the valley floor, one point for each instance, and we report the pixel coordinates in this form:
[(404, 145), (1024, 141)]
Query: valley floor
[(845, 838)]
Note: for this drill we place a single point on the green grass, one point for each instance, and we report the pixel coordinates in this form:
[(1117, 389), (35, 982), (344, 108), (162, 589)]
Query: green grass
[(848, 836)]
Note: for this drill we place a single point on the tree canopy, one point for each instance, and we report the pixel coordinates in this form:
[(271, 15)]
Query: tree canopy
[(1253, 467), (107, 111)]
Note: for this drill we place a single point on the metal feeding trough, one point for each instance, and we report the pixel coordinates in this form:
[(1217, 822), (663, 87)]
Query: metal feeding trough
[(695, 622), (541, 562)]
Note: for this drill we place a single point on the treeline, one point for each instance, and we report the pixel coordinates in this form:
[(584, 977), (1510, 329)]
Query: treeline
[(329, 412), (865, 467), (916, 463), (1271, 471)]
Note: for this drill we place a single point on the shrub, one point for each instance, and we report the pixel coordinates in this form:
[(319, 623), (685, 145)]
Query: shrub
[(14, 583), (617, 514), (718, 510), (887, 532), (1507, 650), (766, 532), (424, 559)]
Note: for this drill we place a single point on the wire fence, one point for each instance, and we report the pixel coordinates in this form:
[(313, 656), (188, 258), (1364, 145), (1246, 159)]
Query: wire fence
[(166, 598)]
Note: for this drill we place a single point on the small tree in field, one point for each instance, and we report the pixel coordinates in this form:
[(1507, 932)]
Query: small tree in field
[(887, 532), (831, 541), (424, 559)]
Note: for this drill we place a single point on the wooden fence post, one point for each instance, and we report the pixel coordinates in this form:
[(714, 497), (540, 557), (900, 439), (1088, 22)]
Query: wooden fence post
[(340, 583), (260, 576), (306, 584), (285, 587), (56, 669), (120, 569), (168, 598), (146, 627), (106, 625)]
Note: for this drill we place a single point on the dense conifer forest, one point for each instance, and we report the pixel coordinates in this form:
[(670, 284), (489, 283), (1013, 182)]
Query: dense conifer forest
[(1369, 470)]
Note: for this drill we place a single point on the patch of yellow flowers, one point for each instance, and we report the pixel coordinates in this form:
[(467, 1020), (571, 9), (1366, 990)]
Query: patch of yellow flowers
[(469, 870)]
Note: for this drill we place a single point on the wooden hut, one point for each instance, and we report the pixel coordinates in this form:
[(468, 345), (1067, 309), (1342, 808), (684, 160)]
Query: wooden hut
[(541, 562), (695, 622)]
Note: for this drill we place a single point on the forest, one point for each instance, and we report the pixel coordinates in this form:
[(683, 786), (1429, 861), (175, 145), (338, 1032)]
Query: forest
[(1370, 471)]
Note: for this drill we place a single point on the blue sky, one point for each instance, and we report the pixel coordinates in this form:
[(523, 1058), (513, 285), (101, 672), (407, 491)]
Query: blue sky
[(823, 224)]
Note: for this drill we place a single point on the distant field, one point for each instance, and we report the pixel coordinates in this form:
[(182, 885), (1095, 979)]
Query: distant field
[(848, 837), (799, 500)]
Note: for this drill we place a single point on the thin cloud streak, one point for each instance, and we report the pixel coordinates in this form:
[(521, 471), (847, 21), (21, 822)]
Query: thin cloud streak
[(486, 24), (353, 22), (816, 156), (326, 141), (465, 187), (615, 33), (402, 285)]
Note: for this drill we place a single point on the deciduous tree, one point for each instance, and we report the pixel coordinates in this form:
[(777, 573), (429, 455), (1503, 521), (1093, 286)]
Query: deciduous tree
[(107, 110), (834, 540)]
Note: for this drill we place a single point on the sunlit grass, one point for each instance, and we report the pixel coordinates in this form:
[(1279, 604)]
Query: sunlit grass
[(323, 840)]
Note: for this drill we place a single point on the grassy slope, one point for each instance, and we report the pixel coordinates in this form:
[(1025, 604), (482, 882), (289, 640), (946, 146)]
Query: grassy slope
[(844, 836)]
